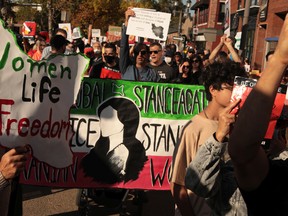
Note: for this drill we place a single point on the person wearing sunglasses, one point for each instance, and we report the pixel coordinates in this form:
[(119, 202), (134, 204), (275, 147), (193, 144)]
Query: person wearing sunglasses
[(185, 75), (197, 68), (166, 72), (136, 69)]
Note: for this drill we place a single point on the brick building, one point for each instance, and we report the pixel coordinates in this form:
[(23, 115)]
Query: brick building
[(269, 22), (209, 17), (258, 36)]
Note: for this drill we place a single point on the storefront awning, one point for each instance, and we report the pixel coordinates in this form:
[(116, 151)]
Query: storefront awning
[(199, 4), (272, 39)]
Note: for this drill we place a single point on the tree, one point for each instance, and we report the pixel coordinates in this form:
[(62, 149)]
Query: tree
[(101, 14)]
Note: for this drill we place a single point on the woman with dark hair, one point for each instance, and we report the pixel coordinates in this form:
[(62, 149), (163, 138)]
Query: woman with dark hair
[(185, 74), (197, 67), (117, 156)]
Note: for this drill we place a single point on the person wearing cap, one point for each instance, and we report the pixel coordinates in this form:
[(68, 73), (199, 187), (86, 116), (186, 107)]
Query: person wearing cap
[(190, 52), (139, 69)]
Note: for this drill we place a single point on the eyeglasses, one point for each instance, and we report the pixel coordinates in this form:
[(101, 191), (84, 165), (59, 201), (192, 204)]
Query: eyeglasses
[(143, 52), (155, 51), (184, 66), (230, 88), (195, 61)]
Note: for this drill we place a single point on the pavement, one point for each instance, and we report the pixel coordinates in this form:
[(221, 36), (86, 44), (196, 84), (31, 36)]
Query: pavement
[(42, 201)]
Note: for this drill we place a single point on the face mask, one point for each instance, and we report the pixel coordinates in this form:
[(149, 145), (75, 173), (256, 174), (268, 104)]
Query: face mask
[(168, 60), (97, 51), (109, 59)]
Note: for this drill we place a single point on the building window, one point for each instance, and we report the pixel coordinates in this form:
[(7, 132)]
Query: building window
[(203, 16), (221, 15), (249, 44), (239, 4), (254, 2)]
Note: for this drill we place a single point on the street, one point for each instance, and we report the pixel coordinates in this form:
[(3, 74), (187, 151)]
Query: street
[(42, 201)]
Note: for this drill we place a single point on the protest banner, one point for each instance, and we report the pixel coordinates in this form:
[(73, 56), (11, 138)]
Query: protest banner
[(124, 132), (35, 99), (120, 122), (150, 24)]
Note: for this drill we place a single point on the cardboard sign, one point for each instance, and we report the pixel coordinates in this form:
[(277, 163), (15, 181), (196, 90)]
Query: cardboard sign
[(114, 33), (29, 29), (35, 99), (67, 28), (149, 24), (96, 32)]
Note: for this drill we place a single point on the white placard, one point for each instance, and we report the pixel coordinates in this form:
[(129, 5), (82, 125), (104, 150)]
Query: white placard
[(67, 28), (96, 32), (149, 24)]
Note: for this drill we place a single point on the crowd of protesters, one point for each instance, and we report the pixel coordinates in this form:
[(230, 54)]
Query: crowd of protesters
[(210, 186)]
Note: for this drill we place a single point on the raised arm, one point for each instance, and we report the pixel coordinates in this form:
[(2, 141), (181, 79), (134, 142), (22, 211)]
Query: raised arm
[(217, 49), (229, 44), (250, 162), (124, 45)]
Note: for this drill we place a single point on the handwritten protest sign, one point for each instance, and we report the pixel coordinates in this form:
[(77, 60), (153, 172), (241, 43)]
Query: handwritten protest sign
[(149, 24), (117, 123), (35, 98)]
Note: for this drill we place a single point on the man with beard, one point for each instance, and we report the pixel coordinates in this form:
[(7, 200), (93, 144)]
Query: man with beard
[(109, 68)]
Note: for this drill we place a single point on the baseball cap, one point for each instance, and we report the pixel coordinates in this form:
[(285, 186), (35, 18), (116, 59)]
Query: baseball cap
[(178, 54)]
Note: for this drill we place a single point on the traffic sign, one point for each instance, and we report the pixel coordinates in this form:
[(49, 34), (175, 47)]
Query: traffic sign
[(178, 38)]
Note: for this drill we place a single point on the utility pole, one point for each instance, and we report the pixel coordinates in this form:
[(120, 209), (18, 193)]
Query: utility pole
[(246, 12)]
